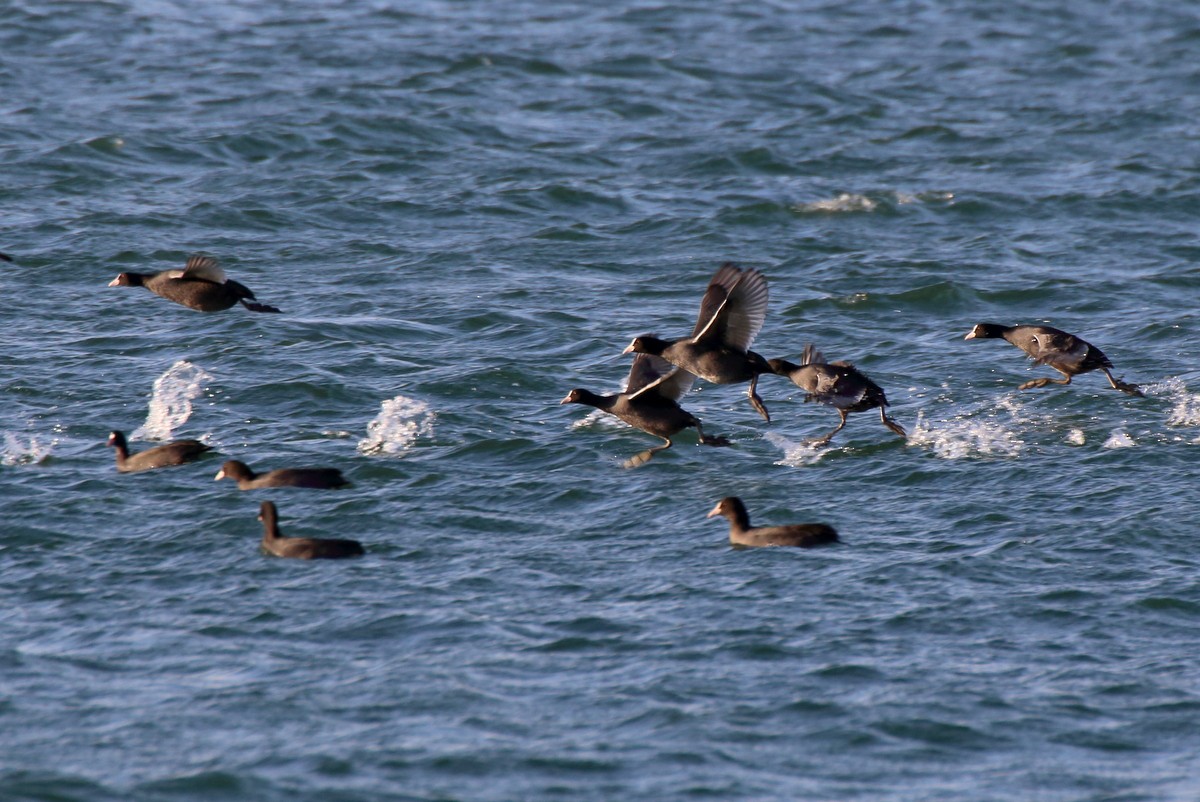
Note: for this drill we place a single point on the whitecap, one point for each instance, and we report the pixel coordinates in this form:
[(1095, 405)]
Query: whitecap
[(17, 451), (1075, 437), (171, 401), (846, 202), (1119, 439), (397, 426)]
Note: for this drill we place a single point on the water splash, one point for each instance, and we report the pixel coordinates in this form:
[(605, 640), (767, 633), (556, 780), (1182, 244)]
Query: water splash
[(797, 453), (399, 423), (854, 202), (846, 202), (1185, 406), (598, 416), (1119, 439), (1075, 437), (171, 401), (967, 435), (16, 451)]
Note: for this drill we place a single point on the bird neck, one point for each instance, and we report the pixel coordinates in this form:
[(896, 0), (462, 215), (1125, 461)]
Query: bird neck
[(654, 345), (598, 401)]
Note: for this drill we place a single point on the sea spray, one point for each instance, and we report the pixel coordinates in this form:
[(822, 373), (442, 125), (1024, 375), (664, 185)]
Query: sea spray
[(1185, 406), (171, 401), (966, 436), (399, 423), (17, 451), (797, 454)]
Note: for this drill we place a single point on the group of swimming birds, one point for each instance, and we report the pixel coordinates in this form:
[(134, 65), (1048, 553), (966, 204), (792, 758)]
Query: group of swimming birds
[(731, 315)]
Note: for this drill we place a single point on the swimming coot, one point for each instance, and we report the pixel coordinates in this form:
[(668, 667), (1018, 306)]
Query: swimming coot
[(838, 384), (649, 403), (318, 478), (302, 548), (731, 315), (164, 456), (200, 285), (741, 533), (1064, 352)]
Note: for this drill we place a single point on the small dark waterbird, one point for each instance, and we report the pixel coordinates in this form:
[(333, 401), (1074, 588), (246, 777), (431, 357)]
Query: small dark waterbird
[(731, 315), (741, 533), (200, 285), (247, 479), (164, 456), (1066, 353), (838, 384), (302, 548), (650, 403)]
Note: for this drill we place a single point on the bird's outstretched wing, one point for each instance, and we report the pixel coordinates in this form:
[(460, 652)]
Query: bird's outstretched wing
[(733, 309)]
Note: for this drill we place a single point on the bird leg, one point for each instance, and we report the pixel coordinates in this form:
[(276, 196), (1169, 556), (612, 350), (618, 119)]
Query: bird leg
[(891, 424), (637, 460), (1124, 387), (1030, 385), (710, 440), (820, 441), (756, 401)]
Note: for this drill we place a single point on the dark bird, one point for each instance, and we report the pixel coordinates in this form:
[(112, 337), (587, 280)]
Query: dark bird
[(649, 403), (1064, 352), (302, 548), (838, 384), (741, 533), (731, 315), (164, 456), (318, 478), (200, 285)]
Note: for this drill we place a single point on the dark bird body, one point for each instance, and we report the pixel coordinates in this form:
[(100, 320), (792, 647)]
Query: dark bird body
[(201, 285), (302, 548), (649, 403), (1054, 348), (731, 315), (164, 456), (316, 478), (838, 384), (741, 533)]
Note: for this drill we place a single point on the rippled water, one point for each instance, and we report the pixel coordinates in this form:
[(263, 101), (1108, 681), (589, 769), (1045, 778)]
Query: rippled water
[(465, 210)]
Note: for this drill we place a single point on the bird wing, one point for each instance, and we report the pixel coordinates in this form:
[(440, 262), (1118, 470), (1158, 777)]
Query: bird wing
[(811, 355), (202, 268), (733, 309), (1047, 344), (654, 375)]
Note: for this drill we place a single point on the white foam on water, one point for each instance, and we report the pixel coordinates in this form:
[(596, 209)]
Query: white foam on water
[(397, 426), (1075, 437), (797, 453), (1119, 439), (1185, 406), (971, 434), (171, 400), (597, 416), (854, 202), (846, 202), (17, 451)]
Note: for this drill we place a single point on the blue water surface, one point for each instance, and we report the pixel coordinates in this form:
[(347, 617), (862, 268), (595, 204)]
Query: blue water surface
[(465, 210)]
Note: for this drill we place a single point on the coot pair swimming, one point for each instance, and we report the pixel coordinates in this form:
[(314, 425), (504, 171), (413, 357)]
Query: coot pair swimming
[(181, 452)]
